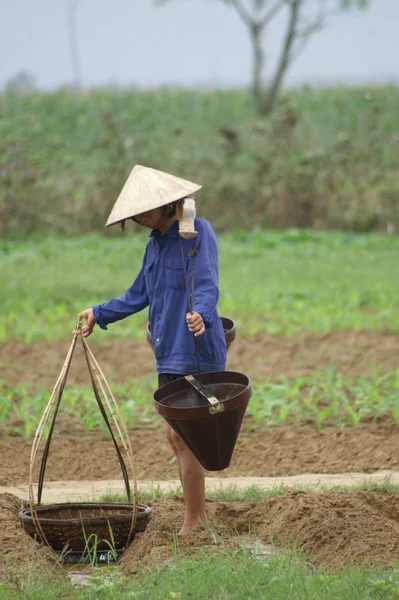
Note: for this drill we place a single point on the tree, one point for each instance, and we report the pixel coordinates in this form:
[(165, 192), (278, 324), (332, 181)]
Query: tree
[(74, 44), (257, 16)]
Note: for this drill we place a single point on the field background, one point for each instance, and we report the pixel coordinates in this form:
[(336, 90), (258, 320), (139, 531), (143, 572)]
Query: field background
[(306, 209), (316, 311), (326, 158)]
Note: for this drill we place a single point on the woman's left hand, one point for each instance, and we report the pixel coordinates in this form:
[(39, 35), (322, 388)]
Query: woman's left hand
[(195, 323)]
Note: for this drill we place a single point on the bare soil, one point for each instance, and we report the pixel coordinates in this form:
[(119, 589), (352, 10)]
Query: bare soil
[(260, 357), (272, 452), (21, 558), (333, 529)]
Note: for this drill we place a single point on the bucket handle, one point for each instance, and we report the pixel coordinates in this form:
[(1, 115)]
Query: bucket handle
[(215, 405), (98, 380)]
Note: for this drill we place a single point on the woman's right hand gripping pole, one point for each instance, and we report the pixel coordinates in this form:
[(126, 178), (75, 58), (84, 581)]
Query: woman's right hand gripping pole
[(88, 316)]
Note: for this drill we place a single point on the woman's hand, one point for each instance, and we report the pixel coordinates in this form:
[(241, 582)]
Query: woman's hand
[(90, 322), (195, 323)]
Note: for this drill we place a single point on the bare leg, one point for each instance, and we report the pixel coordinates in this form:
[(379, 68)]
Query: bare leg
[(192, 477), (169, 437)]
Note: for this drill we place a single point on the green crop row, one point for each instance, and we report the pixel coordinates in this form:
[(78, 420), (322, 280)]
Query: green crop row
[(326, 398)]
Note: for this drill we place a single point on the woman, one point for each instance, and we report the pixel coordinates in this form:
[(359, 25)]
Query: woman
[(156, 200)]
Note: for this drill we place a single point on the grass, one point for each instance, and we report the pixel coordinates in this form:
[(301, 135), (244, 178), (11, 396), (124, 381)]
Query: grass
[(326, 157), (279, 283), (325, 398), (228, 575), (227, 493), (254, 494)]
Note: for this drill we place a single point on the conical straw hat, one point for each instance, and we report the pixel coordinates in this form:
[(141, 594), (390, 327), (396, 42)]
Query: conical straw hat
[(146, 189)]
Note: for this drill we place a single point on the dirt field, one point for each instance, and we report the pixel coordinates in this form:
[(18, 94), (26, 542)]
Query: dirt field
[(260, 357), (273, 451), (268, 452), (336, 528)]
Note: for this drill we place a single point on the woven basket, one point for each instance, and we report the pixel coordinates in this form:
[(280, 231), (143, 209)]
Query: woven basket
[(67, 527)]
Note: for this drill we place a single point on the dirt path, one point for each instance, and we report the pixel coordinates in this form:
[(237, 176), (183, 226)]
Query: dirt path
[(259, 357), (68, 491)]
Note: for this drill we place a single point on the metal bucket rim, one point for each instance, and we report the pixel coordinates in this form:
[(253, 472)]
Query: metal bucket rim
[(246, 384), (231, 403)]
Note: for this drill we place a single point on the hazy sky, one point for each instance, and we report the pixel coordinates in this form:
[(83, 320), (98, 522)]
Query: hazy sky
[(189, 42)]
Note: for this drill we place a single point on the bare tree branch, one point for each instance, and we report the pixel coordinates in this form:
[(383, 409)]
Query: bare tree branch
[(297, 34), (303, 39), (272, 12), (285, 57), (74, 44), (243, 14), (303, 34)]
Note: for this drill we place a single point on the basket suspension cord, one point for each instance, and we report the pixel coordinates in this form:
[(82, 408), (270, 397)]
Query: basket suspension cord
[(50, 434), (99, 382), (190, 295), (107, 423), (113, 408), (38, 436)]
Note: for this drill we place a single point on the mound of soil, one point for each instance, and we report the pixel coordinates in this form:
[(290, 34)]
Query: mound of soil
[(271, 452), (21, 558), (337, 528), (333, 529), (259, 357)]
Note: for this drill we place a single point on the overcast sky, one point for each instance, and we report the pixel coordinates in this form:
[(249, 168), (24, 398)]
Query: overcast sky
[(189, 42)]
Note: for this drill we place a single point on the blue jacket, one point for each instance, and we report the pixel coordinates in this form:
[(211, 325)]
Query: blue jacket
[(160, 285)]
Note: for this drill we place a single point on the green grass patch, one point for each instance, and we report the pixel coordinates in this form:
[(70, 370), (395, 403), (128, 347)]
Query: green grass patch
[(280, 283), (227, 574), (325, 398), (253, 494), (227, 493)]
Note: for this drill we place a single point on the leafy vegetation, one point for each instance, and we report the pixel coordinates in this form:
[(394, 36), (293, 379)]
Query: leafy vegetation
[(276, 282), (324, 398), (21, 407), (326, 158)]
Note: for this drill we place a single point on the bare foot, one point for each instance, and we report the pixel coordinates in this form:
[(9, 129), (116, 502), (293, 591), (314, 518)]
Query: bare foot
[(190, 527)]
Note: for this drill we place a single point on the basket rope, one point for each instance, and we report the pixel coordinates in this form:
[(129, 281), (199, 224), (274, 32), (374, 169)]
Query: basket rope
[(98, 380)]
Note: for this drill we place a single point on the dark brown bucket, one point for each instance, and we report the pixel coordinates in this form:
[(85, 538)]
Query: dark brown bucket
[(211, 437), (68, 526), (228, 328)]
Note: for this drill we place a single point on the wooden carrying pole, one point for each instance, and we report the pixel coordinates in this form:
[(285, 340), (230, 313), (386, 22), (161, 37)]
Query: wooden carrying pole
[(99, 383)]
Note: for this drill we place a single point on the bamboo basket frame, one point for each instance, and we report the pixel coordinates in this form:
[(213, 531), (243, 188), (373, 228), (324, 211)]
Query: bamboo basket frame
[(98, 380)]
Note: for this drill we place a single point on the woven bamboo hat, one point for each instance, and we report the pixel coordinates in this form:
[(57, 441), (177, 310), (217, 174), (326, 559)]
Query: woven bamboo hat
[(146, 189)]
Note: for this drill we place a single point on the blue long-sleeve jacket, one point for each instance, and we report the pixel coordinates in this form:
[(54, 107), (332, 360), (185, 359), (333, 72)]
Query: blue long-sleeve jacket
[(160, 285)]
